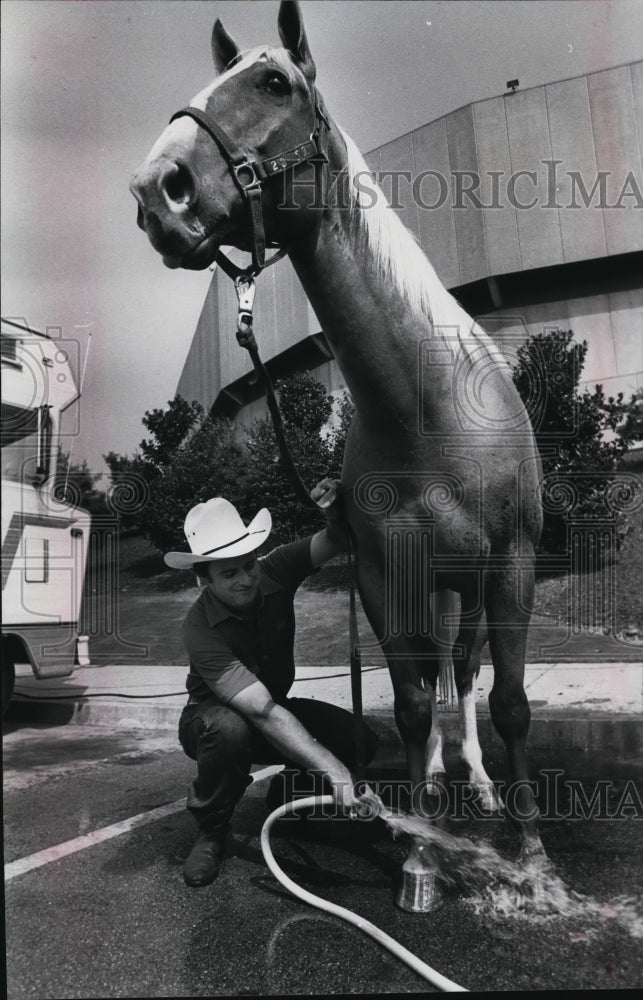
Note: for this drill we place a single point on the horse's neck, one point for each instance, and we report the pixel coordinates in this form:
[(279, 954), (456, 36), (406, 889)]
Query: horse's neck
[(373, 333)]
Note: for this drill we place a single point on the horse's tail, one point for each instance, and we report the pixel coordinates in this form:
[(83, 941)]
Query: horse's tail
[(446, 684), (446, 602)]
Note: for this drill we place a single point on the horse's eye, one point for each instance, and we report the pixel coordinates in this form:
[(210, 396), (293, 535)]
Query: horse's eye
[(277, 84)]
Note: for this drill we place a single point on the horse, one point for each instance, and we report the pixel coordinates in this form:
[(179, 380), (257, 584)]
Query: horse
[(441, 472)]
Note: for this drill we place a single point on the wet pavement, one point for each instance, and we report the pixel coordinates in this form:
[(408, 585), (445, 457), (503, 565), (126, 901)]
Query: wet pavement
[(92, 767), (114, 919)]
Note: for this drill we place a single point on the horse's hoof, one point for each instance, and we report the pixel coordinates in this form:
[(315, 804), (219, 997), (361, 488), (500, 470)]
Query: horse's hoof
[(488, 798), (420, 892), (436, 783)]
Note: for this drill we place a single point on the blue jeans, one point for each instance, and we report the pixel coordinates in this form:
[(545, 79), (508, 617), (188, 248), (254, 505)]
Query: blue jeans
[(225, 746)]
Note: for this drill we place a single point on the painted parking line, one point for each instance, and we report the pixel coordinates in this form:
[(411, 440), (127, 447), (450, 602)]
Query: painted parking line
[(58, 851)]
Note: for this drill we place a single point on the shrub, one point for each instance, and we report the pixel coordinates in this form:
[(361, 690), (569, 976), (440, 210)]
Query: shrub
[(212, 462), (631, 430), (575, 432), (191, 458), (305, 408), (75, 483)]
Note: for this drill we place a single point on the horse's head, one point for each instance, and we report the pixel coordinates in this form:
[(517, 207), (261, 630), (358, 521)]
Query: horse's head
[(222, 166)]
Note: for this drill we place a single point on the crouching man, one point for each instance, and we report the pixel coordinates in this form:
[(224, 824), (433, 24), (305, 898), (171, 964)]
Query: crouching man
[(239, 636)]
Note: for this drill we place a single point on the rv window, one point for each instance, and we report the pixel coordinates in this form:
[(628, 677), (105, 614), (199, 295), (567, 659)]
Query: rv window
[(19, 443), (36, 560), (9, 348)]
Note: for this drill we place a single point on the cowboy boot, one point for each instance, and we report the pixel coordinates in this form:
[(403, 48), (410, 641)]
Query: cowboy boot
[(204, 860)]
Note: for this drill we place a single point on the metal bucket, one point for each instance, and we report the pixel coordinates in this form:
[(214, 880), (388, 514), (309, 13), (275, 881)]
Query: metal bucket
[(420, 892)]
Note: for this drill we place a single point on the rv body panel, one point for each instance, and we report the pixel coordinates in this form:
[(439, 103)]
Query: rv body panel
[(45, 542)]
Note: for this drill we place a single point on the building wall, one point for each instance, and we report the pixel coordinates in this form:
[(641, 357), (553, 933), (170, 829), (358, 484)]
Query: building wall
[(585, 130), (282, 318), (505, 190), (611, 324)]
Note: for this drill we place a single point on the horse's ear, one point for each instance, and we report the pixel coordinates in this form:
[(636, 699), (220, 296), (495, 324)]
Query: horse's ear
[(293, 36), (224, 47)]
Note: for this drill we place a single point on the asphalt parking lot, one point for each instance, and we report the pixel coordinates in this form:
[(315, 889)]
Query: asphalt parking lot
[(113, 918)]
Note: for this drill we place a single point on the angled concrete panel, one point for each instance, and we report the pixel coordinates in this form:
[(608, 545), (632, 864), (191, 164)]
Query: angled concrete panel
[(627, 320), (618, 152), (529, 147), (636, 71), (201, 376), (432, 172), (469, 222), (397, 158), (494, 163), (572, 143)]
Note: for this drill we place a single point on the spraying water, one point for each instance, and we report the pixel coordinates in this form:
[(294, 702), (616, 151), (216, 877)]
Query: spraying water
[(497, 887)]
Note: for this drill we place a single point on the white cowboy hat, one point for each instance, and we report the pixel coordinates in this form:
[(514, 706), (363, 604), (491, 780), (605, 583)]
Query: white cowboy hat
[(214, 530)]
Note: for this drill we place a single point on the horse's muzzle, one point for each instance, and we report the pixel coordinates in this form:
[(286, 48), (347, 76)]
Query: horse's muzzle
[(166, 192)]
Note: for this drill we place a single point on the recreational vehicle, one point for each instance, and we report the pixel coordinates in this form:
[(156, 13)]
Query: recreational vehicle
[(44, 540)]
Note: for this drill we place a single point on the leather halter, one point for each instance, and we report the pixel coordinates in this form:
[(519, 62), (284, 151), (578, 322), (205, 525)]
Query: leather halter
[(249, 174)]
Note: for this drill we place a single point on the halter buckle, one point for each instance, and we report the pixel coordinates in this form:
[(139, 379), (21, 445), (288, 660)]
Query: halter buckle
[(246, 175)]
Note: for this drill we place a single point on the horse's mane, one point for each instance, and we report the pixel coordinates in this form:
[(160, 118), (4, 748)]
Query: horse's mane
[(394, 249), (400, 260)]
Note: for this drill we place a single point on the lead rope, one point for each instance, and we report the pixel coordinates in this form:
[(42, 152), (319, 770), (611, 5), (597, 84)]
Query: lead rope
[(245, 288)]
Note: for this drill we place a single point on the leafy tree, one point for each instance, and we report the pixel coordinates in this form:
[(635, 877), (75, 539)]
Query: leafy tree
[(212, 462), (575, 431), (631, 430), (135, 479), (75, 483), (169, 428), (339, 433), (305, 407), (123, 465), (128, 494), (192, 457)]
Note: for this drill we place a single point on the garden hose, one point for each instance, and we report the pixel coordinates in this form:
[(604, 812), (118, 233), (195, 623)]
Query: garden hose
[(425, 971)]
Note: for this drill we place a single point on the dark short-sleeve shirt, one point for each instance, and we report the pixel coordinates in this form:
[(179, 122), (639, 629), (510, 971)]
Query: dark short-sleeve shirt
[(229, 651)]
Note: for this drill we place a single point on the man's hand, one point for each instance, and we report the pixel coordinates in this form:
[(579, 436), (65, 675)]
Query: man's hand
[(327, 494), (343, 788)]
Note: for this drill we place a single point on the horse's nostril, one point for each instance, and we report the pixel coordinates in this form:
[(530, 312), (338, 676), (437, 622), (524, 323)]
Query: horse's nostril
[(178, 185), (140, 219)]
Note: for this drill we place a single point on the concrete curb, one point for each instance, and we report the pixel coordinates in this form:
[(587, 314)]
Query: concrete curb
[(564, 730), (574, 706)]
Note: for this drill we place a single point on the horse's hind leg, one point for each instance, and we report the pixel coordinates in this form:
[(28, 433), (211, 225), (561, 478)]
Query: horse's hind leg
[(508, 600), (467, 642), (443, 603)]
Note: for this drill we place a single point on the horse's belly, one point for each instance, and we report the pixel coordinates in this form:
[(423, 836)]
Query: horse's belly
[(469, 501)]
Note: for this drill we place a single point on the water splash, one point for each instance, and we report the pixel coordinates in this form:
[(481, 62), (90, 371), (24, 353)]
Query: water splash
[(498, 888)]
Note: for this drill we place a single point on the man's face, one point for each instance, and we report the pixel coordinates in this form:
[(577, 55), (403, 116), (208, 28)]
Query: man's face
[(235, 582)]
